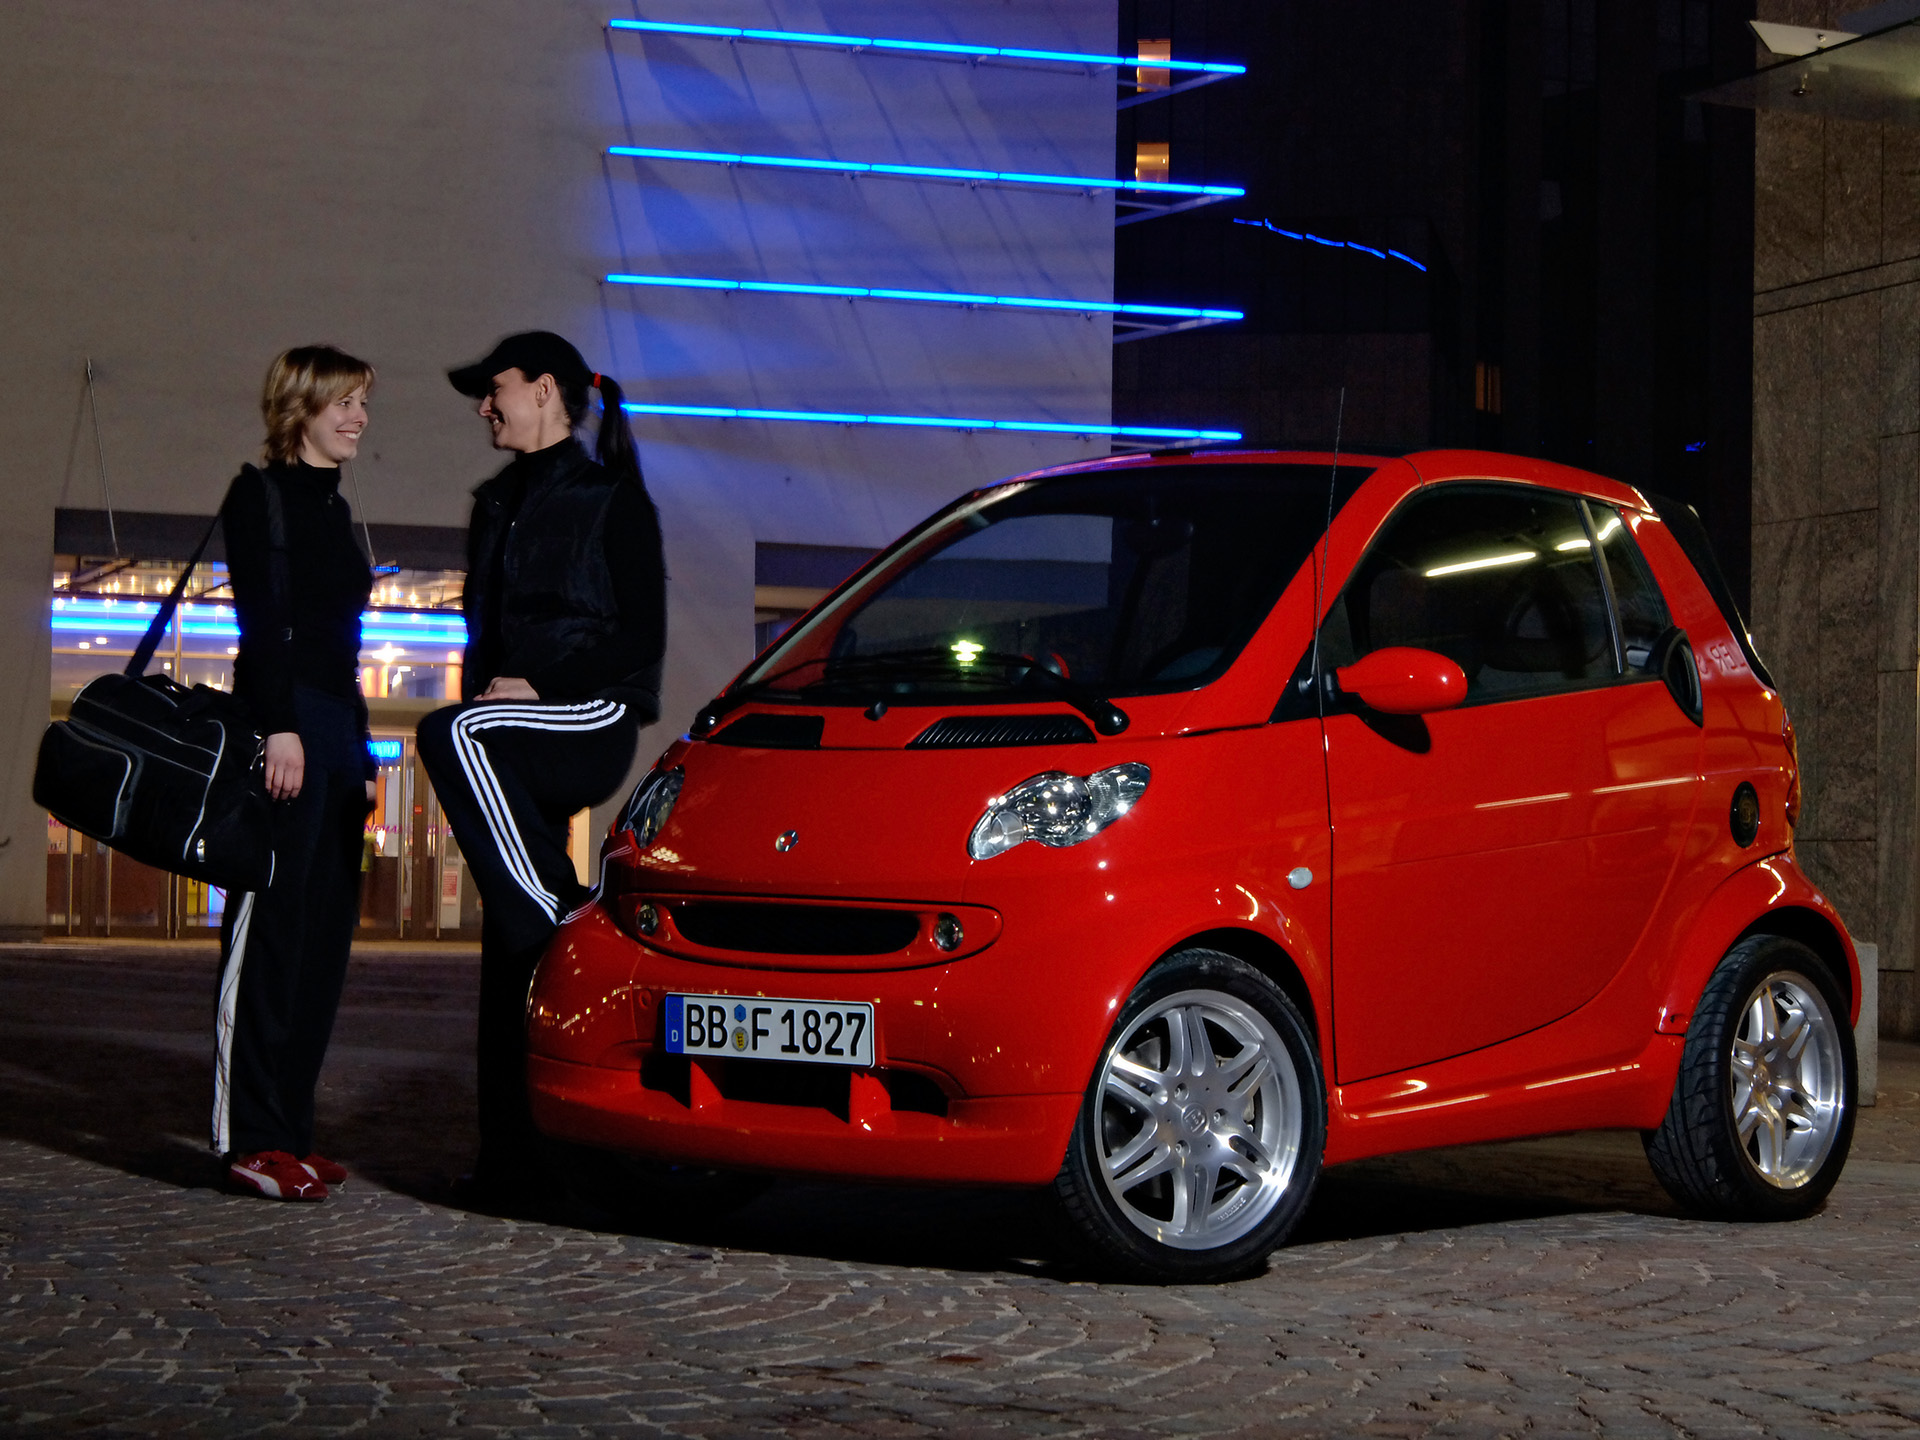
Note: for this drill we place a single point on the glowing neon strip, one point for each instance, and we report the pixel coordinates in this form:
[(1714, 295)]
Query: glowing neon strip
[(425, 629), (932, 422), (1333, 244), (922, 47), (937, 297), (928, 172)]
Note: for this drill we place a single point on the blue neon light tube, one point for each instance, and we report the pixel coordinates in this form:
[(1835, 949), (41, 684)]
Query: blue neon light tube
[(81, 615), (921, 47), (940, 297), (1308, 235), (923, 172), (931, 422)]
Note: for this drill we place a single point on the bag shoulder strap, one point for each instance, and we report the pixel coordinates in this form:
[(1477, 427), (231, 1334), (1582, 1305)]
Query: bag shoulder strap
[(143, 652), (277, 563), (278, 567)]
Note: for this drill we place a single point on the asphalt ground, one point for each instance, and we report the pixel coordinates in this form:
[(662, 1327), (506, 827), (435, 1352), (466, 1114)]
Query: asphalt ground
[(1547, 1287)]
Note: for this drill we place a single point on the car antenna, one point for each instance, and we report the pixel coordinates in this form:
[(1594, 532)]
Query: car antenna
[(1326, 541)]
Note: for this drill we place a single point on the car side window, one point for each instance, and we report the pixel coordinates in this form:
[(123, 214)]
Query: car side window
[(1637, 600), (1499, 578)]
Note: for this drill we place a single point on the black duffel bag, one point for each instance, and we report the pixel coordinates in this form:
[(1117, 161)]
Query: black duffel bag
[(169, 776)]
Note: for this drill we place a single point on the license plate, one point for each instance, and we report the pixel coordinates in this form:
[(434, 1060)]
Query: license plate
[(756, 1028)]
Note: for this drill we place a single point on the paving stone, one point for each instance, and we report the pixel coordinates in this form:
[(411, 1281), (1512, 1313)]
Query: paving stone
[(1541, 1288)]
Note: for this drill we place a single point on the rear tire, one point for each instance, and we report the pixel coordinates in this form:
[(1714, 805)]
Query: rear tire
[(1200, 1138), (1762, 1113)]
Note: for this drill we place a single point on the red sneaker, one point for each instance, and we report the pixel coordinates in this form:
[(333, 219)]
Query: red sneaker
[(326, 1171), (276, 1175)]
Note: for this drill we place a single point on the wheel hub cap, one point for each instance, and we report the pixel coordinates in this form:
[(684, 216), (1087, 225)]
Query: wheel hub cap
[(1200, 1120), (1787, 1080)]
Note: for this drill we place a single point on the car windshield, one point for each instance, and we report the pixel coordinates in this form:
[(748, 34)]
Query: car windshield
[(1132, 582)]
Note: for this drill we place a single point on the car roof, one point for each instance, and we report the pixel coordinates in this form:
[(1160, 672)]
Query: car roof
[(1431, 466)]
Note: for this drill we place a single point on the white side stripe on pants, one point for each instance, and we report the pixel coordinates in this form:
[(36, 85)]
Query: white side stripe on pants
[(223, 1029), (472, 754)]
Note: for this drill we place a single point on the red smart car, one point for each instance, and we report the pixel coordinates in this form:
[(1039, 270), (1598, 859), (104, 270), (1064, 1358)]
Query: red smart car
[(1163, 829)]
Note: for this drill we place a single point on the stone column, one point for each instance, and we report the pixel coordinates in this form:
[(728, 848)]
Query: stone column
[(1836, 505)]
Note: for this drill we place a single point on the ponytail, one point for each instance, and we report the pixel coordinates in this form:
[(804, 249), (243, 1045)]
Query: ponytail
[(614, 447)]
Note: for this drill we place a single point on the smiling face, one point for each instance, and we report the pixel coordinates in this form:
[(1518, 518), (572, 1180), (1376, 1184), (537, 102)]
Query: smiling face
[(333, 434), (524, 415)]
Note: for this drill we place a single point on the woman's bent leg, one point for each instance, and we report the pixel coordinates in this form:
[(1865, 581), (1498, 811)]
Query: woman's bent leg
[(508, 777)]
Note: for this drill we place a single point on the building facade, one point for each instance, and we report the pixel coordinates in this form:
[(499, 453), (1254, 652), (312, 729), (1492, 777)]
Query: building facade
[(191, 192)]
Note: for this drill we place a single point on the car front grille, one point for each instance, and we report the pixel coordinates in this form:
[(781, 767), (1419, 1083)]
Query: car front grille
[(796, 929), (800, 1087)]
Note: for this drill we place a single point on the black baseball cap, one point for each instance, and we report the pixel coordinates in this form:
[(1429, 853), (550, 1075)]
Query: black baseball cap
[(534, 352)]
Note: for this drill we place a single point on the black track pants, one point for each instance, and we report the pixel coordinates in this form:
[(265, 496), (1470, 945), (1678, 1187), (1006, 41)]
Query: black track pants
[(509, 778), (285, 958)]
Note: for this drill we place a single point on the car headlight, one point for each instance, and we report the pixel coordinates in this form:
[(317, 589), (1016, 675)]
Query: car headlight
[(1057, 809), (646, 813)]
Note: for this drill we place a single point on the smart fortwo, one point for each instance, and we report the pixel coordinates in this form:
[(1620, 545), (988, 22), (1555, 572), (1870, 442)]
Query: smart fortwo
[(1164, 829)]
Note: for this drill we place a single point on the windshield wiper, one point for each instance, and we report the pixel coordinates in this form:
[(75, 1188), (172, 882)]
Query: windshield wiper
[(1107, 717), (929, 661)]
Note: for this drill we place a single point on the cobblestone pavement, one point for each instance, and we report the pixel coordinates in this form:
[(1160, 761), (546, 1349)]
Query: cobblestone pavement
[(1542, 1288)]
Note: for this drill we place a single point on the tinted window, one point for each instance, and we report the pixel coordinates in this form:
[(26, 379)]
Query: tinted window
[(1127, 582), (1500, 579), (1641, 606)]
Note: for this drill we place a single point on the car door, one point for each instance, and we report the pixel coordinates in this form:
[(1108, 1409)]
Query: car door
[(1490, 873)]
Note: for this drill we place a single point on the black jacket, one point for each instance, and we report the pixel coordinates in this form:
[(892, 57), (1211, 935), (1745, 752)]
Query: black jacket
[(566, 586), (313, 639)]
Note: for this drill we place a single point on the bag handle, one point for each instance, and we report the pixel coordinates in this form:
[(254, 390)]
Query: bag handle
[(143, 653)]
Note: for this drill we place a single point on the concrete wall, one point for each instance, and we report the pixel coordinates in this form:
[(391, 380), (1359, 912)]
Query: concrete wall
[(191, 189), (1836, 499)]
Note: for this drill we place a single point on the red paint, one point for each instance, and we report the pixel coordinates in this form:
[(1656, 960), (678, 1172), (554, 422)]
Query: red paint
[(1504, 934), (1400, 680)]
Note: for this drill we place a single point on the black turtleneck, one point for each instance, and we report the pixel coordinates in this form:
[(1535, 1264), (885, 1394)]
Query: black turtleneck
[(329, 582)]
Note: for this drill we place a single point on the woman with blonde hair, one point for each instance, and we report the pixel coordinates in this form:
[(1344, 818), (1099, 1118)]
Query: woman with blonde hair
[(285, 948)]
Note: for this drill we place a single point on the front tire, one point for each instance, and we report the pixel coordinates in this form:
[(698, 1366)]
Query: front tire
[(1199, 1141), (1762, 1113)]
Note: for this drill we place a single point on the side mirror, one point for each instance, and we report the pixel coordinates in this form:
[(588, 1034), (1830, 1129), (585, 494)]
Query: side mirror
[(1401, 680)]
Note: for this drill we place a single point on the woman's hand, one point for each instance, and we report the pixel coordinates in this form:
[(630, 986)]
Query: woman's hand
[(508, 687), (286, 764)]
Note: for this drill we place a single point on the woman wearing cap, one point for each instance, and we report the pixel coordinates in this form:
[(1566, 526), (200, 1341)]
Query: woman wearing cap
[(285, 948), (566, 628)]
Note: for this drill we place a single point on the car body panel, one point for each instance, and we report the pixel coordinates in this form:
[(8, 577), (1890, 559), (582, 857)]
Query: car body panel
[(1502, 935), (1497, 880)]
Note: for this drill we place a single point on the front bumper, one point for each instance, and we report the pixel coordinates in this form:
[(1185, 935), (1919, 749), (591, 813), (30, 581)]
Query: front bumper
[(971, 1081), (1007, 1140)]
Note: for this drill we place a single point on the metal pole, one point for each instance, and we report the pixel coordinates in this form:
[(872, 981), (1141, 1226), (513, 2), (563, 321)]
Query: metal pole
[(100, 454)]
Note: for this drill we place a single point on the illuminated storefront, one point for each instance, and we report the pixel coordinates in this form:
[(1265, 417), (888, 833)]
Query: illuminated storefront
[(415, 884)]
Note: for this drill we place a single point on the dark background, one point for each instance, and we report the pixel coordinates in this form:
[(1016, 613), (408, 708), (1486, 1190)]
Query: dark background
[(1587, 232)]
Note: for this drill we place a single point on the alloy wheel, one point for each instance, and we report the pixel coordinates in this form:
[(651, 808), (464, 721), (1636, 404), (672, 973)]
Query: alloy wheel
[(1201, 1120), (1787, 1080)]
